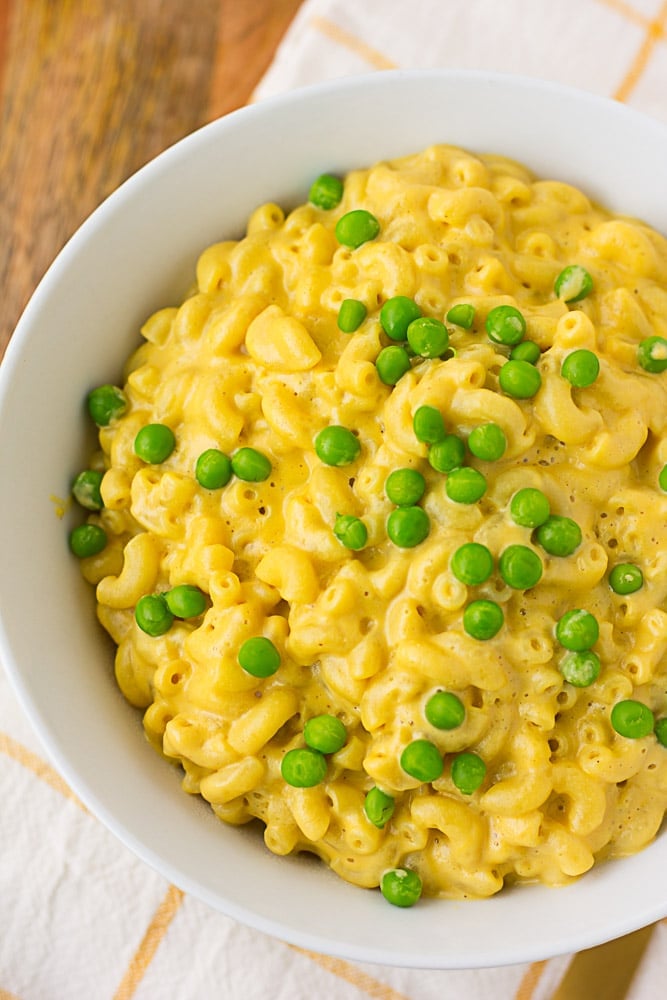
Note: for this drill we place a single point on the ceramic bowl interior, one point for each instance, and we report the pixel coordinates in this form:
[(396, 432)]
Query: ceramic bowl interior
[(136, 254)]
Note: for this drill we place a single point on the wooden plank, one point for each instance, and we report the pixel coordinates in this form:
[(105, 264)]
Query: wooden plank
[(94, 90), (605, 972), (248, 34)]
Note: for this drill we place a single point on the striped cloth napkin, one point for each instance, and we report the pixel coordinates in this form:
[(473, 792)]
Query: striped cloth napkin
[(80, 917)]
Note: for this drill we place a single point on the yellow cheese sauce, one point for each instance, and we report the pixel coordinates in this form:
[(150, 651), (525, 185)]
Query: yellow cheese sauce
[(254, 357)]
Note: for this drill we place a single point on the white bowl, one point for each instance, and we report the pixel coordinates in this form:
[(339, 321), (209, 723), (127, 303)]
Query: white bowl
[(137, 253)]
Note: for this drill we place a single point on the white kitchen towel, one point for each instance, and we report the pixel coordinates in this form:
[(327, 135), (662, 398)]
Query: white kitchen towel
[(616, 48)]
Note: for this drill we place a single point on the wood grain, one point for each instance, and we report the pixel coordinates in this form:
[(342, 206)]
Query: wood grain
[(91, 91), (247, 31), (605, 972)]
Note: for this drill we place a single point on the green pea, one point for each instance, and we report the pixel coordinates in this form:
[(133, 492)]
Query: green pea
[(468, 772), (421, 759), (87, 540), (408, 526), (152, 615), (357, 227), (258, 656), (483, 619), (448, 454), (580, 368), (86, 489), (580, 668), (213, 469), (519, 379), (445, 710), (577, 629), (154, 443), (185, 601), (392, 363), (626, 578), (303, 767), (462, 315), (527, 350), (573, 283), (250, 465), (488, 442), (661, 731), (405, 487), (632, 719), (428, 337), (652, 354), (662, 479), (351, 315), (472, 564), (401, 887), (325, 733), (397, 314), (105, 403), (379, 807), (326, 191), (428, 425), (465, 485), (559, 536), (350, 531), (505, 325), (520, 567), (337, 446), (529, 507)]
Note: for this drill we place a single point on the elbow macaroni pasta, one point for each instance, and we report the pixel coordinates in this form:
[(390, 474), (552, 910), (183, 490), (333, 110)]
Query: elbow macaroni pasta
[(254, 358)]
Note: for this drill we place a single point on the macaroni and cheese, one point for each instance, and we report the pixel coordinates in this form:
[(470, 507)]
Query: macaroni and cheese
[(378, 525)]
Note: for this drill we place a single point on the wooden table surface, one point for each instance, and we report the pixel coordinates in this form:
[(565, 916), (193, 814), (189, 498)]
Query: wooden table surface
[(92, 90)]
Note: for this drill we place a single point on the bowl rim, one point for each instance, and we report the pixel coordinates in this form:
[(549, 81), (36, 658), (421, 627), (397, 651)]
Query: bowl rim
[(308, 937)]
